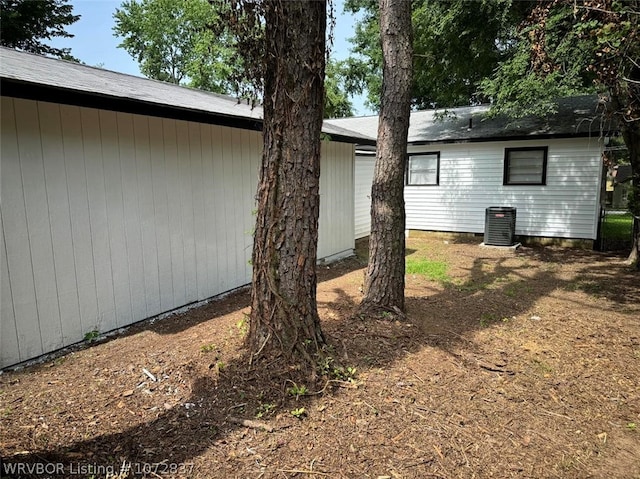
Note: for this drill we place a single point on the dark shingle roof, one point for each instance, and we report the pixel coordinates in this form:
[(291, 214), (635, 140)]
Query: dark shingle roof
[(42, 78), (576, 116)]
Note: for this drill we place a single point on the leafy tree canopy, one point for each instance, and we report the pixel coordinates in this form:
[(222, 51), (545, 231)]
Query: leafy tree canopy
[(192, 42), (457, 44), (549, 59), (172, 42), (26, 23), (336, 102)]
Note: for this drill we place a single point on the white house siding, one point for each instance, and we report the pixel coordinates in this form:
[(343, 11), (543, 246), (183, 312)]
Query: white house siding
[(335, 224), (109, 218), (471, 177), (362, 194)]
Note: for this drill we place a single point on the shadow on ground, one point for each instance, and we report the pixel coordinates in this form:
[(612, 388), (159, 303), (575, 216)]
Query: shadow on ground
[(493, 290)]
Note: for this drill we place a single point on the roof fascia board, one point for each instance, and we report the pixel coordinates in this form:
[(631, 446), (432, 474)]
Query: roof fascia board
[(37, 92), (547, 136), (32, 91)]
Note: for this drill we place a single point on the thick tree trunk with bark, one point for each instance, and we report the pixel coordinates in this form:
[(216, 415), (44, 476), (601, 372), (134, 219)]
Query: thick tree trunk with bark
[(284, 317), (384, 281)]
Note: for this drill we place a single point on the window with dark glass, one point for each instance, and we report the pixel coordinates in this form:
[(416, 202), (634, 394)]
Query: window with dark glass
[(525, 166), (423, 169)]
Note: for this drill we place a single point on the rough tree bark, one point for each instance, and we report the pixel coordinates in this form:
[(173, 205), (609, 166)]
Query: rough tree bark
[(284, 318), (384, 281)]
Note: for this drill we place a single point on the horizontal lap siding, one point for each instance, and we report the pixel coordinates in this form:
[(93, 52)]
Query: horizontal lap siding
[(109, 218), (471, 180)]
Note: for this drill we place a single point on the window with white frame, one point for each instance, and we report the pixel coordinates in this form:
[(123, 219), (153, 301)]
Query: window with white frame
[(525, 166), (423, 169)]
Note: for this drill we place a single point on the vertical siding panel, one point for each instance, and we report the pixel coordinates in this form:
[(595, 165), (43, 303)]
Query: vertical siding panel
[(236, 226), (188, 234), (161, 213), (60, 218), (324, 164), (226, 248), (174, 198), (209, 208), (98, 218), (247, 188), (80, 225), (147, 214), (38, 226), (364, 180), (349, 211), (197, 198), (19, 261), (218, 143), (9, 348), (132, 228), (115, 217)]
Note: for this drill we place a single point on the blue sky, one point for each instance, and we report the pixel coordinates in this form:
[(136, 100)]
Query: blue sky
[(94, 43)]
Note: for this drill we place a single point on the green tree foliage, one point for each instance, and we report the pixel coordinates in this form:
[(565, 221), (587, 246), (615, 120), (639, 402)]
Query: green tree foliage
[(336, 102), (548, 60), (26, 23), (190, 42), (173, 42), (457, 44)]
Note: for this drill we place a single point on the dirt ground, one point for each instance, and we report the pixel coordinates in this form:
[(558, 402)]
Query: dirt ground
[(517, 365)]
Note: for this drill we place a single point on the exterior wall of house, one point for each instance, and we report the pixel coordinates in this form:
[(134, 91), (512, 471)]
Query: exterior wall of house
[(362, 194), (109, 218), (471, 179)]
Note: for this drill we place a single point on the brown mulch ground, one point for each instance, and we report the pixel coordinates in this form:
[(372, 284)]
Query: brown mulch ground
[(522, 365)]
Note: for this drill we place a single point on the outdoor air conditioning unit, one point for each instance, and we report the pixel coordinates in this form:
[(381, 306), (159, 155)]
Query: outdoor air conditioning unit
[(500, 226)]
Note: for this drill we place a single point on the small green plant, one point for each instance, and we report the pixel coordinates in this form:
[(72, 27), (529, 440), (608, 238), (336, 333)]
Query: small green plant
[(243, 325), (207, 348), (299, 413), (264, 409), (631, 426), (297, 391), (92, 336), (220, 366), (345, 374)]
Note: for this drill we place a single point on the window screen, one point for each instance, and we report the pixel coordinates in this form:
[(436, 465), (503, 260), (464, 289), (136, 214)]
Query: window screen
[(423, 169), (525, 166)]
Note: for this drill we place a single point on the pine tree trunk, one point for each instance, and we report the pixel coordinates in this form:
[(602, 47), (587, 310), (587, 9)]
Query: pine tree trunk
[(284, 318), (384, 281)]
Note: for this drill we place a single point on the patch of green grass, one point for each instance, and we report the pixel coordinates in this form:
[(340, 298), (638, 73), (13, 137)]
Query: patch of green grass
[(617, 227), (433, 270)]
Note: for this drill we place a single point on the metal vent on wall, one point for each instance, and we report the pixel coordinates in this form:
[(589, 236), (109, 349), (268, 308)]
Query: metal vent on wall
[(499, 226)]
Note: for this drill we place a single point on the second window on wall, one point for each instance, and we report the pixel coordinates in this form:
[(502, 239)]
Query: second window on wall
[(423, 169), (525, 166)]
